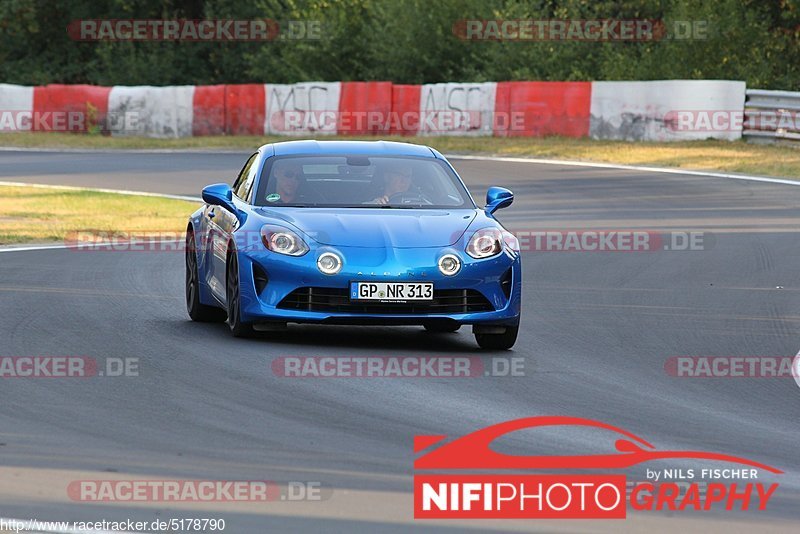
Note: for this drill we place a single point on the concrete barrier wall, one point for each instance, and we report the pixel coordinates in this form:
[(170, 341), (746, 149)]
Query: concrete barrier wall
[(153, 111), (457, 108), (538, 109), (302, 108), (634, 111), (369, 107), (652, 111), (245, 109), (84, 105), (15, 101), (405, 109)]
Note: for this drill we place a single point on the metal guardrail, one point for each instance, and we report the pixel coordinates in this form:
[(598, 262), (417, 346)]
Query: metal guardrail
[(771, 116)]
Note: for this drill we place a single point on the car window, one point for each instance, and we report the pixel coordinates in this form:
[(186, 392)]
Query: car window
[(250, 179), (239, 186), (359, 181)]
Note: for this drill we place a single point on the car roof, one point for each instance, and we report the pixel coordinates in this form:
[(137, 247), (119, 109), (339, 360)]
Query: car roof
[(366, 148)]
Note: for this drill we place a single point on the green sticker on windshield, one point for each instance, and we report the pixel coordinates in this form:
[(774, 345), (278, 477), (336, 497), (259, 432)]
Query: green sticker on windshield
[(273, 197)]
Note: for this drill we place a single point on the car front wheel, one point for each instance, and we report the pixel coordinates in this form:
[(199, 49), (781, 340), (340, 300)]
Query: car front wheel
[(238, 328), (502, 341), (197, 311)]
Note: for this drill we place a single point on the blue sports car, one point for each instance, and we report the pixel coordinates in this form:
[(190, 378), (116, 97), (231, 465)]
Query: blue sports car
[(351, 232)]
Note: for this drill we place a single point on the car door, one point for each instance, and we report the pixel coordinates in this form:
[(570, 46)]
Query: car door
[(221, 226)]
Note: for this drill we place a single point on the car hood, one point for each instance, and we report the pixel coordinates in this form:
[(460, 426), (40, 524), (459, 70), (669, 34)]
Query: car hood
[(368, 227)]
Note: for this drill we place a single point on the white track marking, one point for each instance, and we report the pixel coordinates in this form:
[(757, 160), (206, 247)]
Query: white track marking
[(662, 170), (98, 190)]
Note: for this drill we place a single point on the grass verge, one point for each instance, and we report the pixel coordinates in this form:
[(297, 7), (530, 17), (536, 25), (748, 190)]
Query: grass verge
[(737, 156), (39, 214)]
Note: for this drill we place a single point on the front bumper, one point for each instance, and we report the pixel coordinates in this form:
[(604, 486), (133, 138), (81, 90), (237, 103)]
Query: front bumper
[(286, 274)]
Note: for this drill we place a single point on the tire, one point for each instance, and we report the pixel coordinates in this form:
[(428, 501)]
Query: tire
[(442, 328), (502, 341), (197, 311), (238, 328)]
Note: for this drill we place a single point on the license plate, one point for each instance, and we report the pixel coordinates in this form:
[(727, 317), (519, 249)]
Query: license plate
[(391, 291)]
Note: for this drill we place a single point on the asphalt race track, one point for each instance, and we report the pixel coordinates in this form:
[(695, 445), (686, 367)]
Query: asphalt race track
[(598, 328)]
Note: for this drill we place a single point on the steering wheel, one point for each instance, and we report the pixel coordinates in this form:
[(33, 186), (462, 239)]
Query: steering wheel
[(409, 197)]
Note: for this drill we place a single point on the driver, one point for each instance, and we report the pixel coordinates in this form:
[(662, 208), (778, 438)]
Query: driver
[(288, 177), (398, 180)]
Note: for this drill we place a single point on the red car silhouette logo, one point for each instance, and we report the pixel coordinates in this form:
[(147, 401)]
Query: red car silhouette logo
[(473, 451)]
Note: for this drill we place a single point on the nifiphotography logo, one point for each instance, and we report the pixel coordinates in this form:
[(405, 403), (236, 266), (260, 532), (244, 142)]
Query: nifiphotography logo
[(574, 496)]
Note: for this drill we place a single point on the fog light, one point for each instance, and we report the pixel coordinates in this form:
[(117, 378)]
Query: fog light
[(449, 264), (329, 263)]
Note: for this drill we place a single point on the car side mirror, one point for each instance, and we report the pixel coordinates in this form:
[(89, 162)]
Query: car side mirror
[(220, 195), (498, 198)]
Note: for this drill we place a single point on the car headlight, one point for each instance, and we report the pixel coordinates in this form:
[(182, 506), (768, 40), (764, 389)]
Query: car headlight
[(449, 264), (329, 263), (283, 241), (485, 243)]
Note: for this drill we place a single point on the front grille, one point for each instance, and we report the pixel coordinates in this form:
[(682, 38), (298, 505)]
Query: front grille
[(326, 299)]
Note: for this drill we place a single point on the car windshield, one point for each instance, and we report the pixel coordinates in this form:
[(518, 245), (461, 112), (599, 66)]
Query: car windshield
[(360, 182)]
